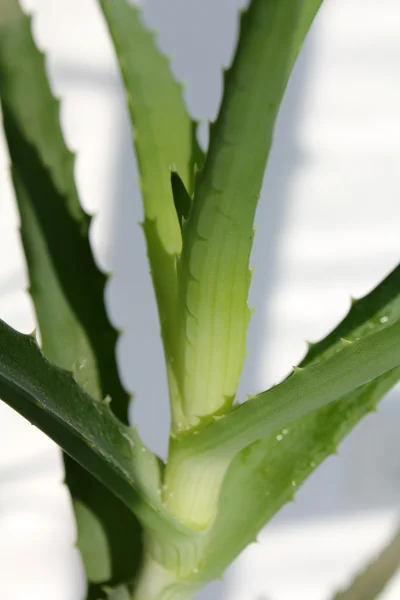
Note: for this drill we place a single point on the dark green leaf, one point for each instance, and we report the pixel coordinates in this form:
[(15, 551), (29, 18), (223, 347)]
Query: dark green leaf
[(65, 284), (182, 200), (87, 430)]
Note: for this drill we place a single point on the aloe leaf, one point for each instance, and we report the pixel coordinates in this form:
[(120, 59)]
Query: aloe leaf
[(308, 11), (66, 287), (353, 365), (164, 139), (213, 272), (308, 389), (85, 428), (266, 475), (219, 235), (182, 200), (119, 593), (372, 581)]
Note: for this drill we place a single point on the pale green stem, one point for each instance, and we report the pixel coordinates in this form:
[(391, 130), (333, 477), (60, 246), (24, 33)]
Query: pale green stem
[(158, 583)]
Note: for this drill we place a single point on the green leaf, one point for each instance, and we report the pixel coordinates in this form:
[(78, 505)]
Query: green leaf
[(51, 399), (105, 529), (182, 200), (350, 367), (119, 593), (66, 287), (213, 272), (164, 139), (372, 581), (353, 365), (261, 477), (308, 11)]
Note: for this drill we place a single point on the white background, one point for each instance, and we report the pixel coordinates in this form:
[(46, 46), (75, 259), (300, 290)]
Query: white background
[(328, 228)]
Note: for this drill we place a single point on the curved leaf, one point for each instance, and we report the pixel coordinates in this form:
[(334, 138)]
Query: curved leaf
[(87, 430), (66, 286), (266, 475), (353, 365), (165, 140), (213, 272)]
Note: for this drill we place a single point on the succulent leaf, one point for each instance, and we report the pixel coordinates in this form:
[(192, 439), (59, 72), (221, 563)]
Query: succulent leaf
[(164, 139), (213, 271), (182, 200), (85, 428), (217, 443), (65, 284), (261, 476)]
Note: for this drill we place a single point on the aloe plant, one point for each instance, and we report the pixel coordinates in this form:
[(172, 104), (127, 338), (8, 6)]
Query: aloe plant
[(149, 530)]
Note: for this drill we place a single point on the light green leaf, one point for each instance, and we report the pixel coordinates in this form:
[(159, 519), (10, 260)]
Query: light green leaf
[(369, 584), (353, 365), (119, 593), (266, 475), (164, 139), (66, 287), (213, 272), (350, 367), (261, 477)]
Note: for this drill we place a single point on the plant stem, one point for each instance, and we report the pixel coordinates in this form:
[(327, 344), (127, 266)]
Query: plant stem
[(157, 583)]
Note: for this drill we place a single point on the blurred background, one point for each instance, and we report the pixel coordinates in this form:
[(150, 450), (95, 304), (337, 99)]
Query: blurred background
[(328, 229)]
